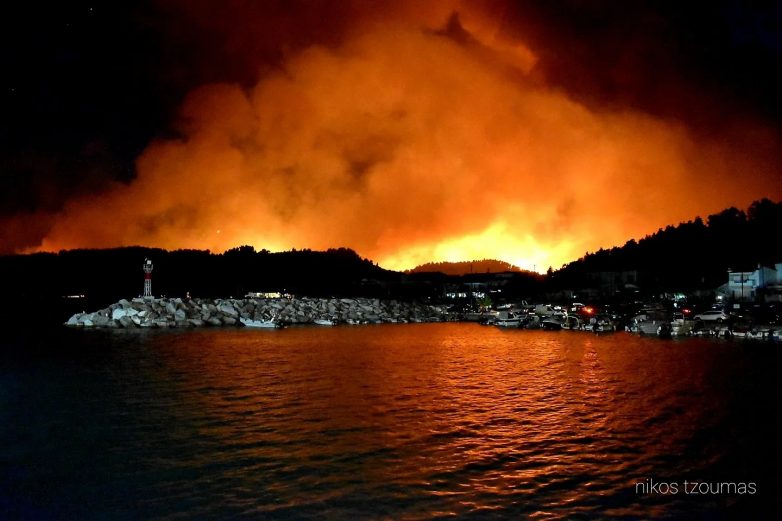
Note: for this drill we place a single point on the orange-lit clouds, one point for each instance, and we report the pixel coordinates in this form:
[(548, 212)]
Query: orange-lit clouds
[(412, 143)]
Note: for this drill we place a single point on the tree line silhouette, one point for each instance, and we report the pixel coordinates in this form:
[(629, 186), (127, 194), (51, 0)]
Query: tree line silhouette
[(692, 255), (465, 267), (53, 283)]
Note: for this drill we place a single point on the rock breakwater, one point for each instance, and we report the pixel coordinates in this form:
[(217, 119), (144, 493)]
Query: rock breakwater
[(177, 312)]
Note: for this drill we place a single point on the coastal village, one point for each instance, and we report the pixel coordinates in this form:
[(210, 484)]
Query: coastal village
[(746, 306), (681, 280)]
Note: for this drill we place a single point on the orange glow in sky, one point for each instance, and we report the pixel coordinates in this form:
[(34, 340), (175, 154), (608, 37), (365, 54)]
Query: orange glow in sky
[(410, 145)]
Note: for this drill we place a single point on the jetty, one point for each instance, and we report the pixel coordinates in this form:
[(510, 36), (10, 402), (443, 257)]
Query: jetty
[(148, 312)]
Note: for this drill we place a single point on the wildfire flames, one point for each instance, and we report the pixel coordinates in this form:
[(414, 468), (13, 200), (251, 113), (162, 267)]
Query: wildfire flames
[(417, 135)]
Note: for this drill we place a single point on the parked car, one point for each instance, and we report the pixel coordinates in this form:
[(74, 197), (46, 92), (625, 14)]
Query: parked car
[(711, 316)]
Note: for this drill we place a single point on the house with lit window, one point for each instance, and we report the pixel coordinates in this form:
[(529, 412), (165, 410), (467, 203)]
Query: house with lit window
[(764, 281)]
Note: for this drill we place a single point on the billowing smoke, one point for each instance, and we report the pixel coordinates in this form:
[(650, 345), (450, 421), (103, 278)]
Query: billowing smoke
[(417, 135)]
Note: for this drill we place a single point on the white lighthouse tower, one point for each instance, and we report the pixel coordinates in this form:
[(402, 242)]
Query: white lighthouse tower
[(148, 278)]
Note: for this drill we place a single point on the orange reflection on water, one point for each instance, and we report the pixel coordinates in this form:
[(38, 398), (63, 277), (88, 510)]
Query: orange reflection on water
[(467, 418)]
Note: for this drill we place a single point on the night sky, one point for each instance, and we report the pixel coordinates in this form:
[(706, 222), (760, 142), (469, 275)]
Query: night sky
[(529, 131)]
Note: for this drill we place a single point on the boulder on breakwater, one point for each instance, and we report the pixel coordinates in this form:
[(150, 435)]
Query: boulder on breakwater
[(177, 312)]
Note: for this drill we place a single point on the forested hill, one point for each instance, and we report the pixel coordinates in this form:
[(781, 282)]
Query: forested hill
[(466, 267), (694, 254), (109, 274)]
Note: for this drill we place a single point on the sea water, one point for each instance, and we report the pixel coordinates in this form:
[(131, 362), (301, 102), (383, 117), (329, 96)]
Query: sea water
[(397, 421)]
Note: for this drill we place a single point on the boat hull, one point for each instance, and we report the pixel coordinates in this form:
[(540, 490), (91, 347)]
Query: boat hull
[(264, 324), (507, 322)]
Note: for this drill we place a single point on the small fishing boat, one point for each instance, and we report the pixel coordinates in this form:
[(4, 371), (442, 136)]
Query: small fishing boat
[(268, 324), (680, 325), (649, 322), (507, 319), (743, 328), (602, 323), (482, 317), (551, 324), (324, 322), (571, 322)]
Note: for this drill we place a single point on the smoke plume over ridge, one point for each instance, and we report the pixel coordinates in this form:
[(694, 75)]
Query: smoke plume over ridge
[(415, 134)]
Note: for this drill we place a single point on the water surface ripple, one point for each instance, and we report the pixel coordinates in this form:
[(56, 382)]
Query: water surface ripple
[(422, 421)]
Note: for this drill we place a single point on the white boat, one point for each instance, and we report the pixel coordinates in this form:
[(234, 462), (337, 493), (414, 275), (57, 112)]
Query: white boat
[(681, 326), (268, 324), (324, 322), (531, 321), (482, 316), (602, 327), (743, 334), (745, 329), (651, 327), (649, 322), (507, 319), (602, 323), (571, 322)]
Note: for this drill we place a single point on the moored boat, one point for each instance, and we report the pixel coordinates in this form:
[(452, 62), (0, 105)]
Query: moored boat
[(571, 322), (602, 323), (507, 319), (648, 322), (267, 324), (480, 316), (681, 326), (551, 324)]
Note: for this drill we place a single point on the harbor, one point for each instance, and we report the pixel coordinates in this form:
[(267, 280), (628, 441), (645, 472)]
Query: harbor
[(664, 318), (645, 319)]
